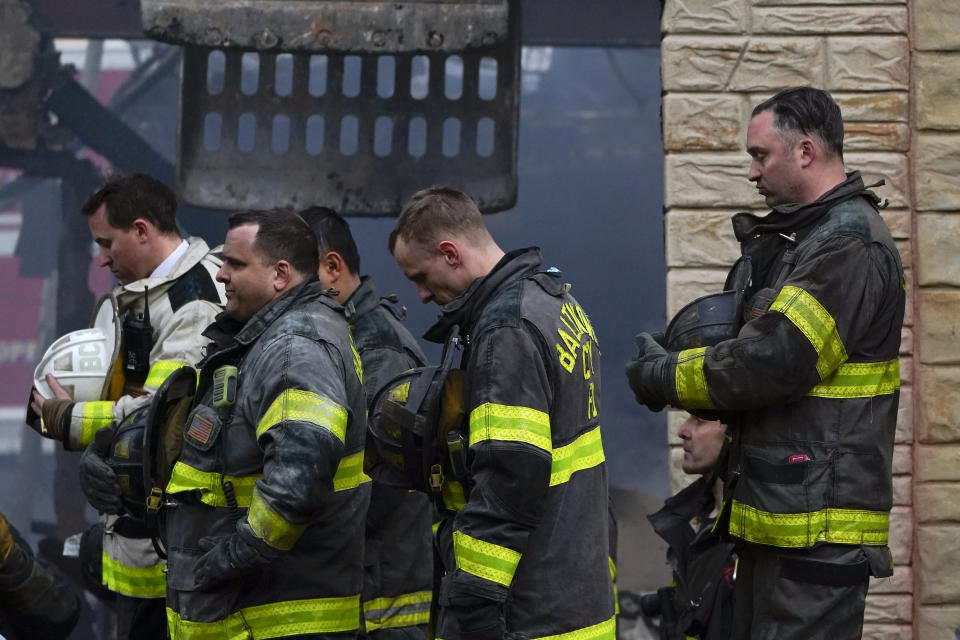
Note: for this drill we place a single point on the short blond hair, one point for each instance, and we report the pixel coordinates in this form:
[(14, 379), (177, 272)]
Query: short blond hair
[(439, 211)]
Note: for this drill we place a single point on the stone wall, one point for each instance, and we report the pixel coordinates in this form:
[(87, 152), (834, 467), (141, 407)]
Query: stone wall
[(895, 71)]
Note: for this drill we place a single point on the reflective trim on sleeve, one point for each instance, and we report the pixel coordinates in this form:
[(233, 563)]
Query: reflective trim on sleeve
[(860, 380), (690, 380), (606, 630), (613, 579), (800, 530), (583, 453), (94, 415), (350, 473), (454, 498), (515, 424), (407, 610), (485, 559), (816, 323), (187, 478), (297, 405), (399, 393), (270, 526), (161, 370), (275, 620), (136, 582)]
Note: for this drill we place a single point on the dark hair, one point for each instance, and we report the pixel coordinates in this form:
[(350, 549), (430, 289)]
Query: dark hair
[(333, 234), (438, 211), (135, 196), (809, 111), (282, 235)]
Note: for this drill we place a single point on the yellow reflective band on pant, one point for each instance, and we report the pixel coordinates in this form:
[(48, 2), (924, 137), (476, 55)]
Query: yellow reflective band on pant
[(405, 610), (799, 530), (606, 630), (690, 380), (350, 473), (274, 620), (454, 498), (485, 559), (514, 424), (860, 380), (583, 453), (816, 323), (161, 370), (613, 579), (94, 416), (269, 526), (136, 582), (186, 478), (296, 405)]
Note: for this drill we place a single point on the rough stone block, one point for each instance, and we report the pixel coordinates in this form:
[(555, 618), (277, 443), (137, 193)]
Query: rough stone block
[(700, 238), (876, 136), (937, 171), (699, 63), (937, 463), (902, 490), (898, 221), (711, 180), (938, 563), (937, 623), (939, 405), (888, 609), (770, 64), (684, 285), (705, 16), (900, 582), (868, 63), (906, 340), (904, 434), (904, 248), (787, 20), (938, 245), (704, 122), (911, 291), (937, 332), (937, 90), (891, 167), (902, 459), (906, 371), (936, 25), (936, 502), (887, 632), (901, 534), (766, 3), (892, 106)]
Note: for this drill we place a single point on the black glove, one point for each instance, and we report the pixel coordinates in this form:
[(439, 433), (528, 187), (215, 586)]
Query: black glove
[(647, 373), (227, 558), (478, 619), (97, 479)]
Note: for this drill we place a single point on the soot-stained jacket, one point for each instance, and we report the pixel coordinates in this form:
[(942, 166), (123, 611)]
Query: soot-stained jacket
[(528, 525)]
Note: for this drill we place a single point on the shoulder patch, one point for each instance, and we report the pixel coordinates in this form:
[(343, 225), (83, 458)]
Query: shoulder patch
[(195, 284)]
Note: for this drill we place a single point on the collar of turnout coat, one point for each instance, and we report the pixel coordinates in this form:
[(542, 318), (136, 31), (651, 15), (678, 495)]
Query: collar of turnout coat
[(462, 309), (789, 218)]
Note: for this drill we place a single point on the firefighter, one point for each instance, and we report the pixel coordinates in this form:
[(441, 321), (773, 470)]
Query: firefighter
[(524, 541), (166, 295), (267, 499), (809, 386), (398, 554)]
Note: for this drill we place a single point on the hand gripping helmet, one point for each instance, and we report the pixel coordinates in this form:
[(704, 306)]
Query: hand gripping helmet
[(409, 423), (713, 318)]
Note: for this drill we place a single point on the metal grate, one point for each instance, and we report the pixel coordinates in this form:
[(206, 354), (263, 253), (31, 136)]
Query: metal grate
[(359, 133)]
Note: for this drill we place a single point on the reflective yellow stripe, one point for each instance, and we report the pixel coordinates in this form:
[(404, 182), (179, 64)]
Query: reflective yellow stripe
[(606, 630), (860, 380), (399, 393), (405, 610), (271, 527), (274, 620), (350, 473), (690, 380), (136, 582), (613, 579), (95, 415), (516, 424), (840, 526), (816, 323), (485, 559), (583, 453), (186, 478), (454, 498), (305, 406), (161, 370)]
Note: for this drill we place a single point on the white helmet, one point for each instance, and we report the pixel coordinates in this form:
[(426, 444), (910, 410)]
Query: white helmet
[(82, 361)]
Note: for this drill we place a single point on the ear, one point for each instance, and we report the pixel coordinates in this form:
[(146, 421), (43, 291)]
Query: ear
[(807, 152), (332, 265), (450, 252), (143, 229), (283, 275)]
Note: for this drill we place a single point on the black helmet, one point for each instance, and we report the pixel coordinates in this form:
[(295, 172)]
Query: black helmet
[(713, 318), (126, 459)]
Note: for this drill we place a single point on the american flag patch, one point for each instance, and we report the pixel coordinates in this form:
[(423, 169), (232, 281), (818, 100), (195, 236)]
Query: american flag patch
[(200, 429)]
